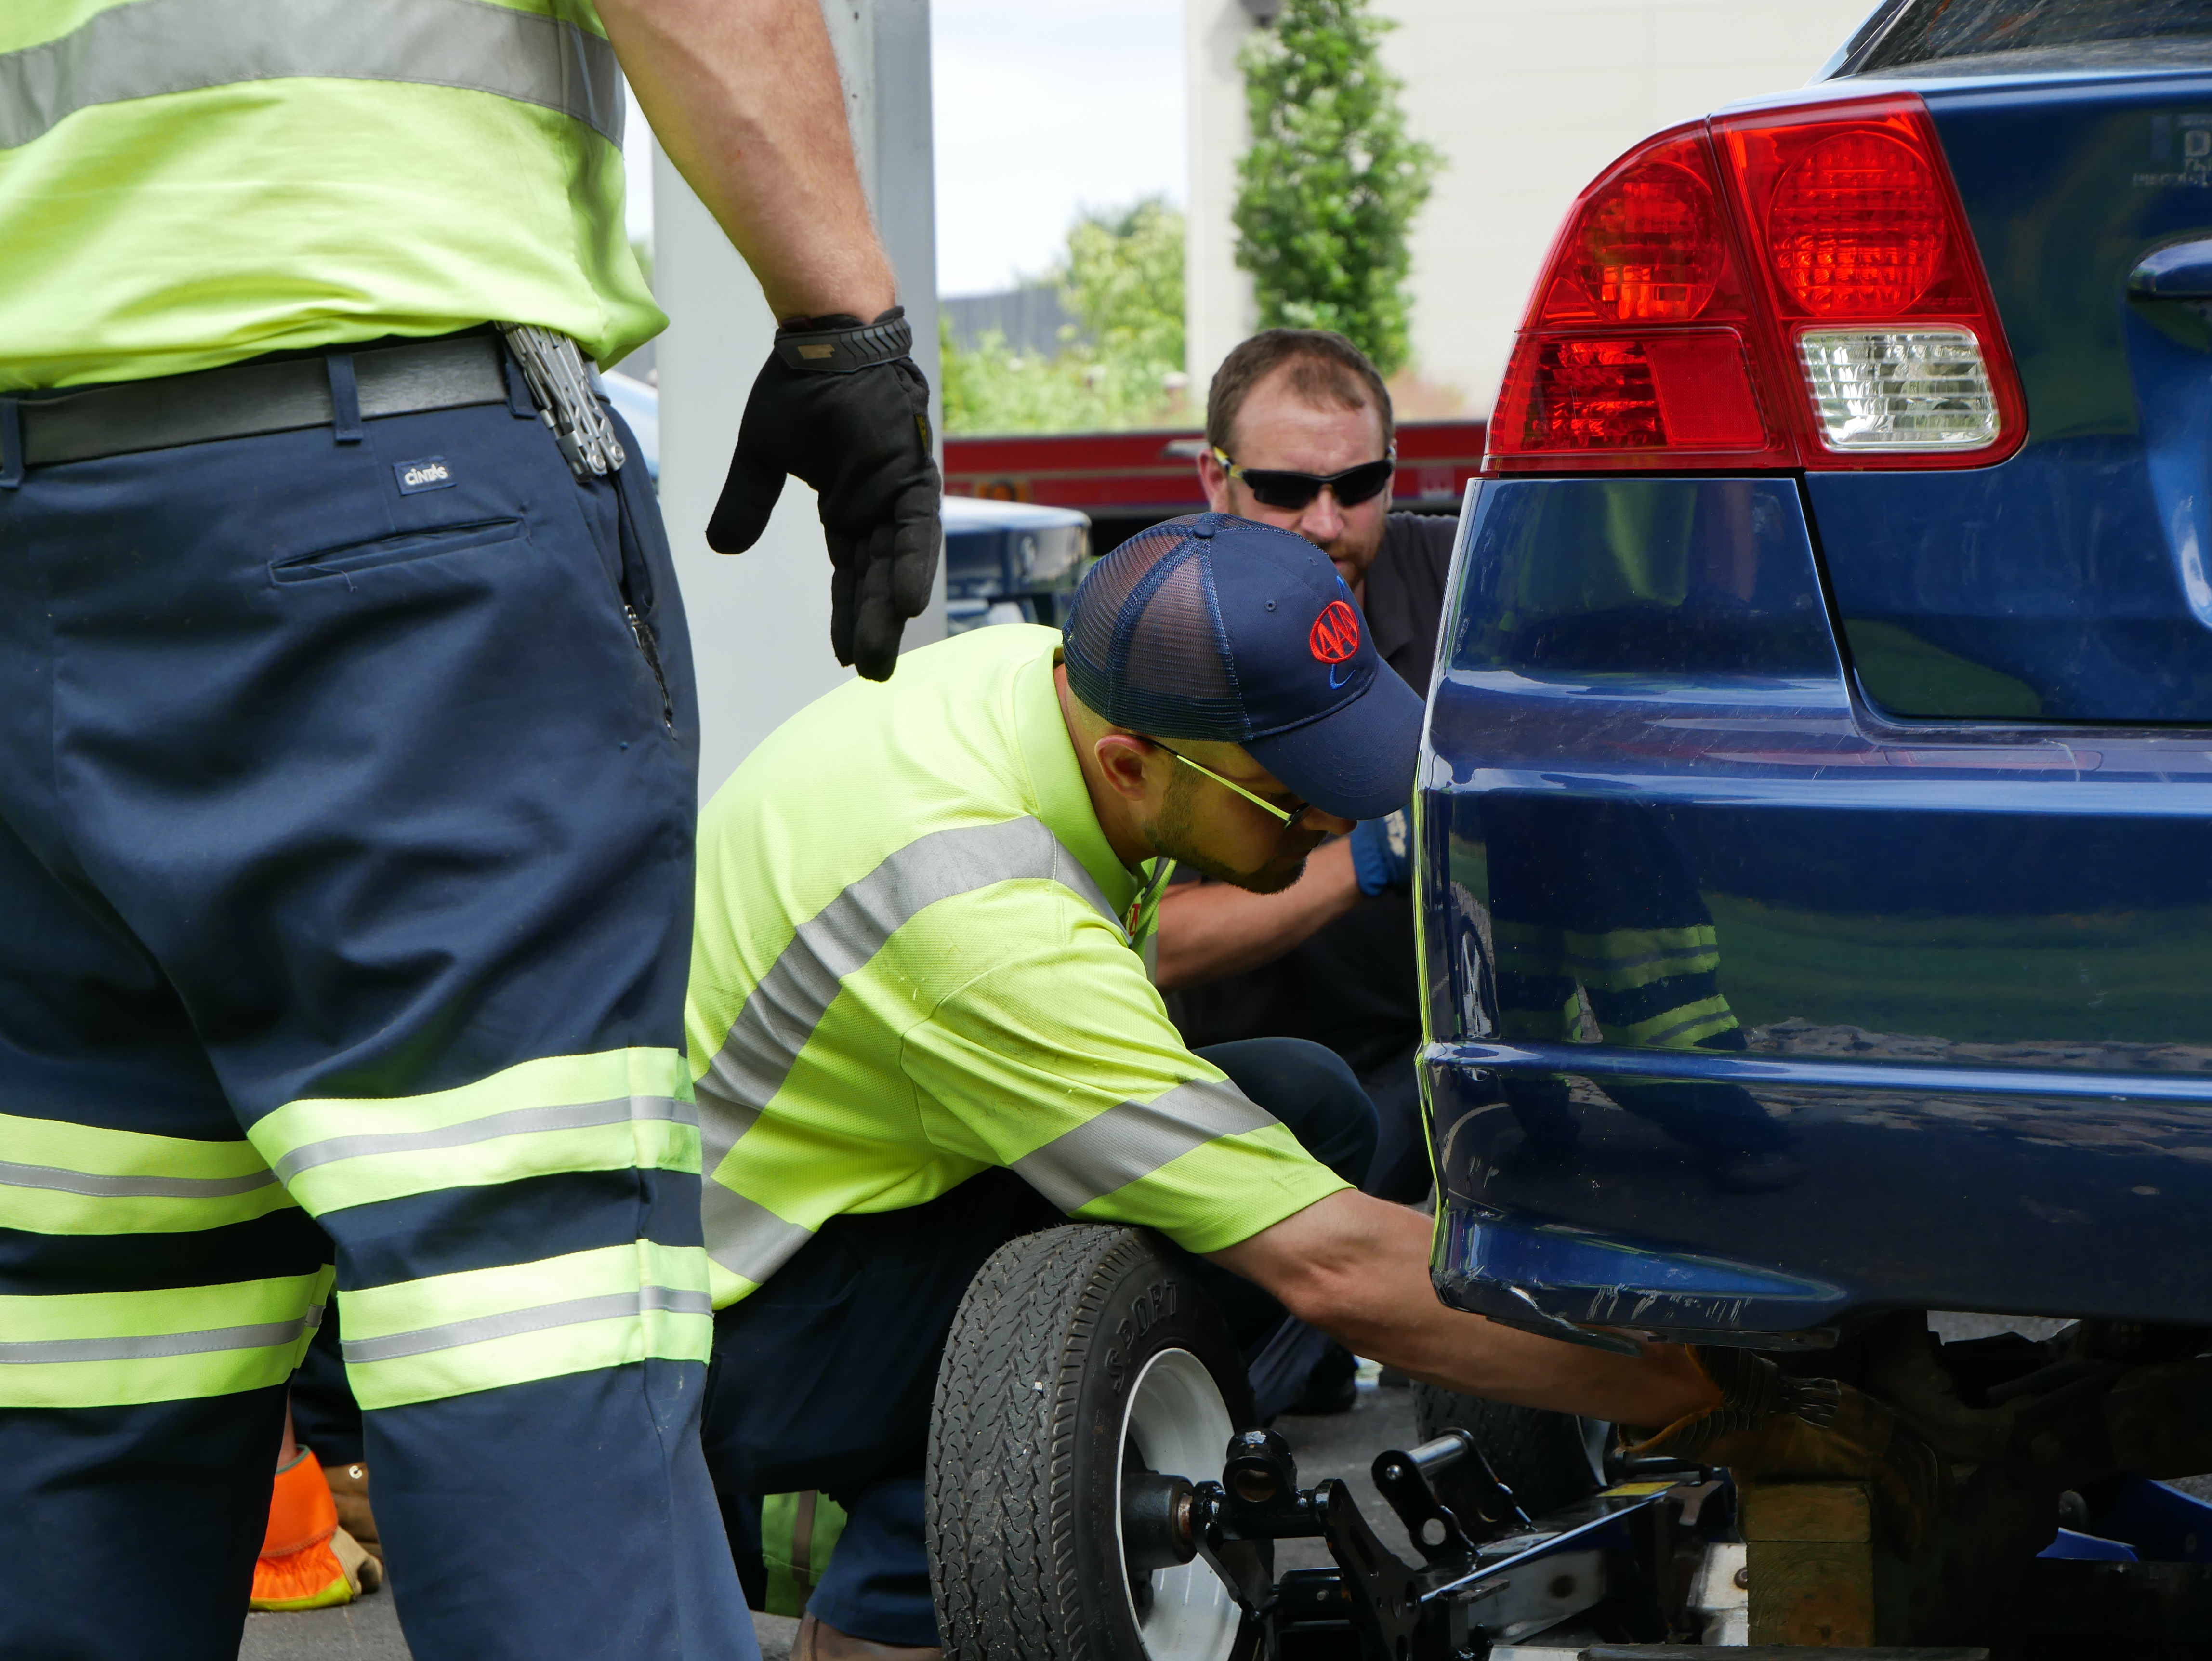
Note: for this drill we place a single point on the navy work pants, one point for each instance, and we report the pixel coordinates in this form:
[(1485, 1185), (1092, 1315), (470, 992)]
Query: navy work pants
[(823, 1377), (346, 873)]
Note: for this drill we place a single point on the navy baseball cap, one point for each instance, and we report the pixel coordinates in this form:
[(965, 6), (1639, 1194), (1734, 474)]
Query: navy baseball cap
[(1222, 630)]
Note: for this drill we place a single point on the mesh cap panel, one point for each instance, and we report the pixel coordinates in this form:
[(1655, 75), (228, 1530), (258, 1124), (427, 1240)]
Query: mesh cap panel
[(1214, 627), (1144, 647)]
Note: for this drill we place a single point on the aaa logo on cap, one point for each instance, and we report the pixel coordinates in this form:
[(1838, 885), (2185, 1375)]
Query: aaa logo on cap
[(1335, 633)]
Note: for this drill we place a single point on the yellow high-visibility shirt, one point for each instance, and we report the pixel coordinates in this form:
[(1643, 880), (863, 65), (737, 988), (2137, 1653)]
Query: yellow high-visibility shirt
[(914, 959), (188, 183)]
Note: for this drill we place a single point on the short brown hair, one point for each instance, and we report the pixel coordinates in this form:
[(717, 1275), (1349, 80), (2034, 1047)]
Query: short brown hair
[(1326, 368)]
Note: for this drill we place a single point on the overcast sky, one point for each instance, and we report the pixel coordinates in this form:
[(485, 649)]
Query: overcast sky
[(1043, 108)]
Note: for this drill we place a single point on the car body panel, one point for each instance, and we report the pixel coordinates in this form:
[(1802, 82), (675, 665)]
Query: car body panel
[(1962, 593), (1011, 561), (1949, 980)]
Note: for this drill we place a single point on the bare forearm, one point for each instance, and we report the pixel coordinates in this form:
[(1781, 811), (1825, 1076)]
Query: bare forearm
[(1357, 1267), (1208, 930), (743, 96)]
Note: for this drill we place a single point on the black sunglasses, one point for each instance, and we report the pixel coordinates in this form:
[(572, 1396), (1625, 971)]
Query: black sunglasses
[(1291, 491)]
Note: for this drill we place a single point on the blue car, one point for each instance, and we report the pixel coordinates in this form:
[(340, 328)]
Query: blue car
[(1815, 810), (1011, 561)]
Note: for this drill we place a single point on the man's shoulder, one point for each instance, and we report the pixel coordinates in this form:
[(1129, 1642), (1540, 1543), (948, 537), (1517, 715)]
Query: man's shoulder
[(1405, 584), (1418, 544), (938, 705), (868, 768)]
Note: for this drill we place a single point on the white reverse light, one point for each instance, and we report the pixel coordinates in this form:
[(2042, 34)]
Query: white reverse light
[(1898, 389)]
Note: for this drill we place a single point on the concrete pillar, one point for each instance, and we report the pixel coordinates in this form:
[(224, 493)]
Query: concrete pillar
[(1218, 309), (760, 621)]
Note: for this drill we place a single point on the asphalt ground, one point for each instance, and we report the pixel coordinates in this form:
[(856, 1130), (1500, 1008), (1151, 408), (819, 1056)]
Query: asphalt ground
[(1341, 1445), (369, 1630)]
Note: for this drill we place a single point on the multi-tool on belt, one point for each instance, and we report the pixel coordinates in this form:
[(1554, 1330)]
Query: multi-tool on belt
[(561, 385)]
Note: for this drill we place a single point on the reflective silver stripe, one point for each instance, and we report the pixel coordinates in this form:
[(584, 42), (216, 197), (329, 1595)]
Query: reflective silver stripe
[(516, 1122), (265, 1335), (1589, 966), (145, 48), (784, 1009), (1136, 1139), (746, 1238), (123, 1187), (1688, 1024), (511, 1322)]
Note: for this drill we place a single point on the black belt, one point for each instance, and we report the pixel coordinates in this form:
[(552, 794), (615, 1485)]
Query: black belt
[(250, 398)]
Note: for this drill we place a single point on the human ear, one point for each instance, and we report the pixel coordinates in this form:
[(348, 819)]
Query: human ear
[(1213, 479), (1124, 760)]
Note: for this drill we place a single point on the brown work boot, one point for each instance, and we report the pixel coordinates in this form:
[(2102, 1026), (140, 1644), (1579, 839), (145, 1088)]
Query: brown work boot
[(1769, 1425), (349, 1488), (817, 1641)]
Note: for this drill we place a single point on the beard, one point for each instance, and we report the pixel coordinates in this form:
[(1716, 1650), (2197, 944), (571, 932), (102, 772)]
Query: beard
[(1273, 878), (1173, 835), (1357, 549)]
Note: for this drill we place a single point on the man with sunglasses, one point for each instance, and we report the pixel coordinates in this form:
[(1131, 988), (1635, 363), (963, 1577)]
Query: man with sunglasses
[(921, 1024), (1299, 435)]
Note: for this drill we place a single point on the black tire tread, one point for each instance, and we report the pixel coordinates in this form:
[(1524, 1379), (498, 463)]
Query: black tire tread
[(1539, 1455), (1000, 1506)]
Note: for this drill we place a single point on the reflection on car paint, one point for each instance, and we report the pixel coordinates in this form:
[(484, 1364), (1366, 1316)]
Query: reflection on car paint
[(1687, 899)]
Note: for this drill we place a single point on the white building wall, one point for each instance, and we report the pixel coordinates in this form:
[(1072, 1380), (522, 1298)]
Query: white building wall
[(1218, 307), (1528, 101)]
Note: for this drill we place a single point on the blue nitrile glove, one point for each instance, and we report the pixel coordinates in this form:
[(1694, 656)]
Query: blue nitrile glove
[(1383, 853)]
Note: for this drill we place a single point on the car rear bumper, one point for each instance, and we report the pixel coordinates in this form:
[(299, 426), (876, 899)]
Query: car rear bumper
[(1751, 1012), (2014, 1190)]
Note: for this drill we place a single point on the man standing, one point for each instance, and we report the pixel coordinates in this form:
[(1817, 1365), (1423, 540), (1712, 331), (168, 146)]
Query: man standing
[(1298, 434), (347, 783), (921, 1026)]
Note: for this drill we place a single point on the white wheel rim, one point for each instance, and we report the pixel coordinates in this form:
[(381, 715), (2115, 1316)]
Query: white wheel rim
[(1180, 1426)]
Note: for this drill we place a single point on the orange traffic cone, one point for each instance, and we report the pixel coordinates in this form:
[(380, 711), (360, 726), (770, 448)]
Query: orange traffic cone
[(307, 1561)]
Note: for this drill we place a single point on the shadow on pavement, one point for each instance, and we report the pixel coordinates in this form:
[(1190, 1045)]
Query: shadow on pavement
[(1344, 1445)]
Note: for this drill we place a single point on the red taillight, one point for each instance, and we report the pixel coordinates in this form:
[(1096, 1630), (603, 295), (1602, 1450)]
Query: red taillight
[(1856, 226), (1622, 360), (1598, 395), (1649, 249), (1859, 333)]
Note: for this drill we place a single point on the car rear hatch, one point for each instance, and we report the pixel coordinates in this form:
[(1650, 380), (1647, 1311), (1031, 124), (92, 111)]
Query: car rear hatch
[(1791, 952), (2068, 583)]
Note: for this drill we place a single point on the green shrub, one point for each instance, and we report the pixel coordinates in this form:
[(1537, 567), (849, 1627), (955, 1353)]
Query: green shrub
[(1329, 189), (1121, 365)]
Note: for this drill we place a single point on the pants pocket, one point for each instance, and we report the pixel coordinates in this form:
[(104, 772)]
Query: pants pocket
[(354, 558), (641, 607)]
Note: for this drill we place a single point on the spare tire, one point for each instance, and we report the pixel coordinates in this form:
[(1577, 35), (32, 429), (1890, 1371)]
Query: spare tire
[(1078, 1354), (1550, 1460)]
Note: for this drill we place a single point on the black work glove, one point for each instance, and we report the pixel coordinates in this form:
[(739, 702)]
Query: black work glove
[(841, 405)]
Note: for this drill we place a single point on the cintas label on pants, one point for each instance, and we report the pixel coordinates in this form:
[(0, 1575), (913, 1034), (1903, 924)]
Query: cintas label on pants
[(423, 473)]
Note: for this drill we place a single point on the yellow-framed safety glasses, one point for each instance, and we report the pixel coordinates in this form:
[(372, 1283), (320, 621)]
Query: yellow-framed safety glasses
[(1290, 816)]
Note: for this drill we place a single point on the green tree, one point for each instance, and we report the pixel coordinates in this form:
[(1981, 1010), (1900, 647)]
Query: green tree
[(1331, 184), (1122, 276), (1120, 364)]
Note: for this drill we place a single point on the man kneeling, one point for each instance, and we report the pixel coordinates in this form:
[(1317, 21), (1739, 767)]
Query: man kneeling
[(921, 1026)]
